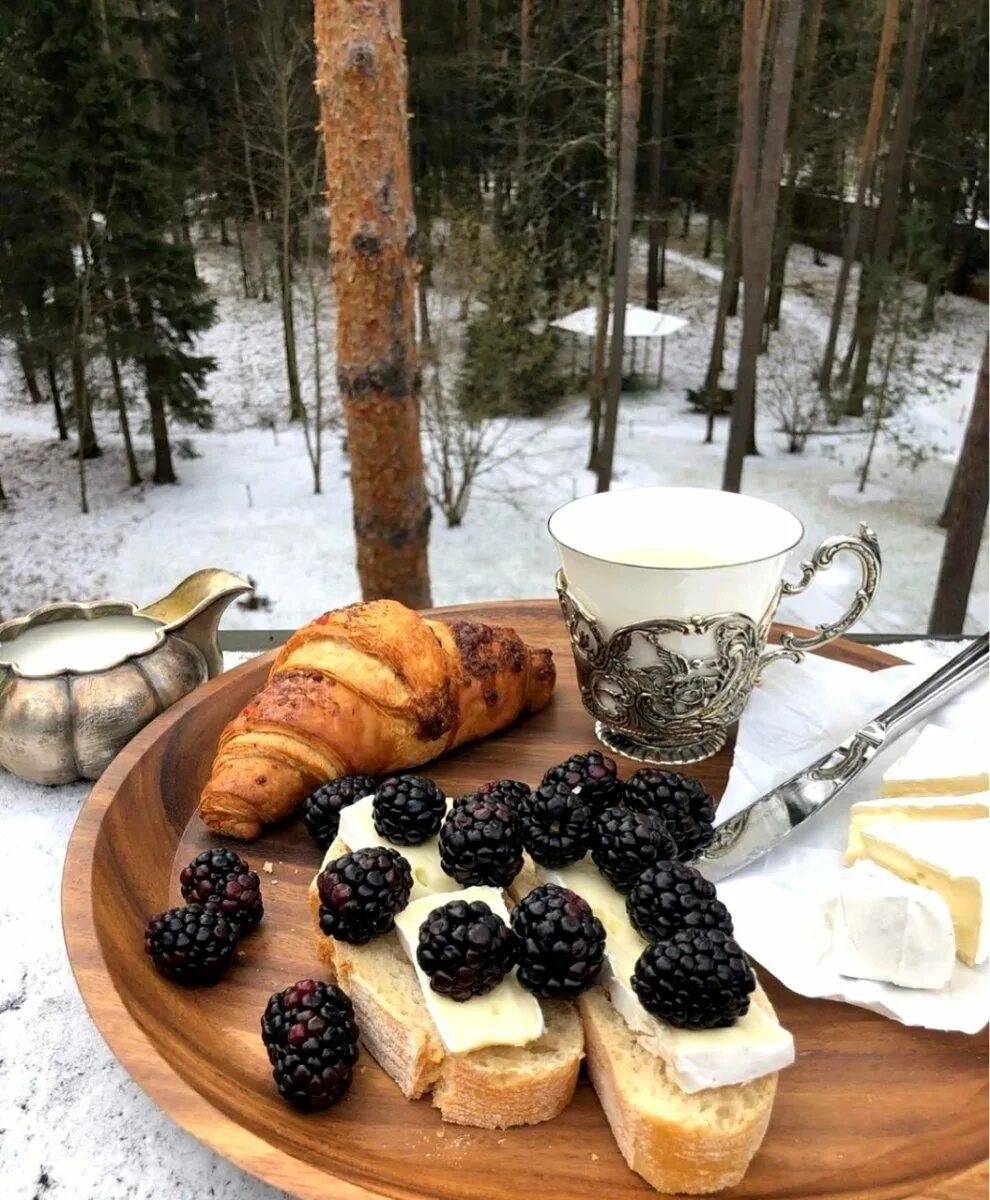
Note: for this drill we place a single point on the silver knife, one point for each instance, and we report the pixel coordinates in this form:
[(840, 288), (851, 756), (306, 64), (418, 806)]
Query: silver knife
[(765, 823)]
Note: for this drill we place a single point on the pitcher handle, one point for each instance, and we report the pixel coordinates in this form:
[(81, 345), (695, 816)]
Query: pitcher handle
[(866, 548)]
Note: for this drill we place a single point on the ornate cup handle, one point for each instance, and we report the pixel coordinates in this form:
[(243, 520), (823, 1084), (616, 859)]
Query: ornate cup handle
[(867, 550)]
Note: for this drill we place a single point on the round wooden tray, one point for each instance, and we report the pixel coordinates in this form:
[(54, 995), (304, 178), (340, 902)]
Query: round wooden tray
[(870, 1109)]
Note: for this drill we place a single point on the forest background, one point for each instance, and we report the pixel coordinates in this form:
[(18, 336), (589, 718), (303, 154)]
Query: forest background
[(806, 184)]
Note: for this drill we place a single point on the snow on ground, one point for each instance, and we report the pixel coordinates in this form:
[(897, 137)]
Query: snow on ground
[(247, 503)]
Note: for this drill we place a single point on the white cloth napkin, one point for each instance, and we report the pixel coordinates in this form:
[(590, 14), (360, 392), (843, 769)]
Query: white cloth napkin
[(780, 905)]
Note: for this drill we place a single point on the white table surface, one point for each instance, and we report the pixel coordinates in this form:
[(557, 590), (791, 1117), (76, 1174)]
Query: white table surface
[(73, 1125)]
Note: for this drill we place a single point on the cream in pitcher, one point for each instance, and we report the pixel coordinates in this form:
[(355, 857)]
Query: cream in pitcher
[(669, 594)]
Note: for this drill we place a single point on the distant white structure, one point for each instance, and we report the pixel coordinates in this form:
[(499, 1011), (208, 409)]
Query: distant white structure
[(642, 324)]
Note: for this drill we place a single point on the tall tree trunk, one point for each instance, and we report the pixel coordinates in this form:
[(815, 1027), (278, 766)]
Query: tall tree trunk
[(870, 279), (522, 132), (164, 470), (596, 384), (361, 81), (795, 159), (296, 411), (56, 394), (654, 271), (968, 516), (25, 358), (247, 287), (867, 165), (628, 125), (120, 396), (760, 194), (245, 140)]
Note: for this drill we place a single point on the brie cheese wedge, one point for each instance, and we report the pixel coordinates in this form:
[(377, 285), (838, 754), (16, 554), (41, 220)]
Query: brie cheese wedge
[(950, 857), (911, 808), (357, 831), (506, 1016), (939, 763), (886, 929), (697, 1059)]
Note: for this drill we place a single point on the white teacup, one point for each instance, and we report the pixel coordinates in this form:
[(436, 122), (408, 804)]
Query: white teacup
[(669, 594)]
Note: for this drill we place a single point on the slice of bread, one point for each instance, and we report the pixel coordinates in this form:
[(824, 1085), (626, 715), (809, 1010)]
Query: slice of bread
[(491, 1088), (679, 1142)]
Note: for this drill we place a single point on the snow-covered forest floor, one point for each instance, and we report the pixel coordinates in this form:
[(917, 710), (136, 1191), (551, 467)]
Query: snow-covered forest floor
[(246, 502)]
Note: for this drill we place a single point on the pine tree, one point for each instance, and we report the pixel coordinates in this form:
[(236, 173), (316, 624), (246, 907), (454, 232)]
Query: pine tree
[(361, 82)]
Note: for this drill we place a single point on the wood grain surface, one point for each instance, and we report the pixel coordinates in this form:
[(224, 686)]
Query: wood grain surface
[(870, 1109)]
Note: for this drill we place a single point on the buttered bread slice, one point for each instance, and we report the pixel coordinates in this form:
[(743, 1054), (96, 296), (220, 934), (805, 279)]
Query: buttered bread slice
[(939, 763), (910, 809), (951, 858), (485, 1081)]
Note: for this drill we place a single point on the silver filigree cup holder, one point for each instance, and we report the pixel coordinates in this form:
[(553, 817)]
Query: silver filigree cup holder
[(656, 701)]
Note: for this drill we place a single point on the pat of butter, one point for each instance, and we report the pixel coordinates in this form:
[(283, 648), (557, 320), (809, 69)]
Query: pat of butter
[(506, 1016), (884, 928), (357, 831), (911, 808), (754, 1046), (951, 858), (940, 763)]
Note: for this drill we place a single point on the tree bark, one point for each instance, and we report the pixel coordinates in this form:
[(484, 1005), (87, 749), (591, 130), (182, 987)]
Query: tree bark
[(164, 470), (760, 193), (654, 270), (867, 166), (968, 516), (795, 159), (870, 283), (596, 384), (522, 132), (248, 161), (56, 394), (134, 475), (25, 358), (628, 125), (361, 82)]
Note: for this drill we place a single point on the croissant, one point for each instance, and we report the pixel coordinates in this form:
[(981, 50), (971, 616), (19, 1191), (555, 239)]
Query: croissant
[(368, 689)]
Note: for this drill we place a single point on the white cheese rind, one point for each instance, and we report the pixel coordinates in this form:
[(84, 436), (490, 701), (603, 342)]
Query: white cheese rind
[(357, 831), (912, 808), (950, 857), (756, 1045), (506, 1016), (889, 930), (940, 763)]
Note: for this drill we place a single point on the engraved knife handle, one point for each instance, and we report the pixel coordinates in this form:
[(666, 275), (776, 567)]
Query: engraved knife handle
[(947, 682)]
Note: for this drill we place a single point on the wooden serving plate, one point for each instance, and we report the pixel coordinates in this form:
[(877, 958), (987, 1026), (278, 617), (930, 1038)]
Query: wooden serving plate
[(870, 1109)]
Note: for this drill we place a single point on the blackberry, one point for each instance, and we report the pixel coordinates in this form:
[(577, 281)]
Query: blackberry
[(592, 772), (626, 842), (465, 949), (557, 824), (697, 979), (687, 809), (408, 809), (321, 809), (191, 945), (510, 790), (669, 896), (480, 842), (561, 942), (361, 892), (221, 877), (311, 1039)]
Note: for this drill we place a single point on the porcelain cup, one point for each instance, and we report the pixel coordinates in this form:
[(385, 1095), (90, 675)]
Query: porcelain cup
[(667, 655)]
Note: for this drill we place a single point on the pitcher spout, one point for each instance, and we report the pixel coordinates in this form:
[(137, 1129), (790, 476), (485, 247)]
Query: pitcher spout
[(194, 608)]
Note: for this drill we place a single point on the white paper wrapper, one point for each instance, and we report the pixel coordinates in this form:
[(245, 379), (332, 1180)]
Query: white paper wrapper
[(780, 904)]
